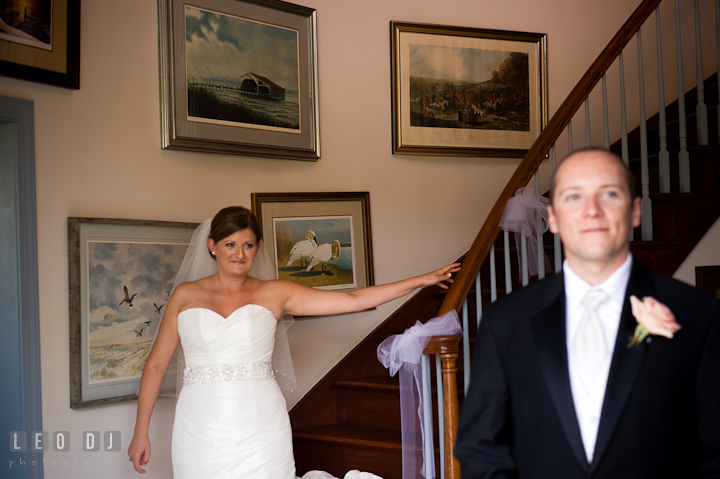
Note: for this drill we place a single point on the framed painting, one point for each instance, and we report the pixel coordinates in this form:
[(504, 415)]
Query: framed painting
[(40, 41), (707, 278), (239, 77), (321, 240), (466, 91), (121, 274)]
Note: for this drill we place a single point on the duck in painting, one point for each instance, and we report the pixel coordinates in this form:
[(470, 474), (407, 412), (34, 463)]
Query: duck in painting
[(302, 249), (128, 299), (324, 253)]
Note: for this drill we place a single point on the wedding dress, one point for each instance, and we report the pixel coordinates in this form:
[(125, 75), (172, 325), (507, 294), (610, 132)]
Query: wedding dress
[(231, 419)]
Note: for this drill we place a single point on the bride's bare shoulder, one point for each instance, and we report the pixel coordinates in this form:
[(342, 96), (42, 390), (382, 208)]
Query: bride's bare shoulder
[(192, 289)]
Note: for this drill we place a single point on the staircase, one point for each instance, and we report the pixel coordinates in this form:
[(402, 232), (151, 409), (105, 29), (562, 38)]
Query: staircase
[(351, 418)]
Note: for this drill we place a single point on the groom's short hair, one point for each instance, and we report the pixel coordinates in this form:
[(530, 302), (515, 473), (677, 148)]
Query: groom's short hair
[(627, 174)]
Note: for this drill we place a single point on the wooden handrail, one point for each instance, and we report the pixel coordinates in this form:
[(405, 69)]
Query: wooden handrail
[(538, 151), (447, 348)]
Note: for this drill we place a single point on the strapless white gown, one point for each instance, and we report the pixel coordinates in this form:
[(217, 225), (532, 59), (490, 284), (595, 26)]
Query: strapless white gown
[(232, 420), (230, 428)]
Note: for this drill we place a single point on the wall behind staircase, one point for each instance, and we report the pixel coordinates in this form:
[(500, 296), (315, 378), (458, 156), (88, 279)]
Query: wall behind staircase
[(98, 154), (706, 253)]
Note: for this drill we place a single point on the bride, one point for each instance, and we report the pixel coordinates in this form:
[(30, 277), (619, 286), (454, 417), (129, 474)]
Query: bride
[(231, 419)]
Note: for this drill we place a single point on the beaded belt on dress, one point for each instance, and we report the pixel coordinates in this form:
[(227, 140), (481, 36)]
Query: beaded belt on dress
[(225, 373)]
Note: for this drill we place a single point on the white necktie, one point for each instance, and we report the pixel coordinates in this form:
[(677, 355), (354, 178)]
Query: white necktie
[(589, 349)]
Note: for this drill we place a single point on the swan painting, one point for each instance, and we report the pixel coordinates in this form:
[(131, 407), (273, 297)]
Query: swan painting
[(302, 249), (322, 254)]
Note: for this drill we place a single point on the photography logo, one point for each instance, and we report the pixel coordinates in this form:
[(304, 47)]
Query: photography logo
[(92, 441)]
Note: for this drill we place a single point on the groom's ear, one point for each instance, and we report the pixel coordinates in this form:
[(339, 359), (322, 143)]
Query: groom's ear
[(552, 220), (636, 212)]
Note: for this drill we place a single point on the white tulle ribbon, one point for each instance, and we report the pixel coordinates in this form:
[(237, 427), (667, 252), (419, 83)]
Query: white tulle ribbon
[(526, 213), (403, 352)]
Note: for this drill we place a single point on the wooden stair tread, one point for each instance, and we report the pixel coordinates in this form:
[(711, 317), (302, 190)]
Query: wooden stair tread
[(674, 196), (352, 435), (370, 382)]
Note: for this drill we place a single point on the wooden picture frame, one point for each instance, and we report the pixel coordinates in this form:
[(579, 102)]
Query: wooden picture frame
[(341, 257), (221, 92), (707, 278), (460, 91), (120, 276), (44, 45)]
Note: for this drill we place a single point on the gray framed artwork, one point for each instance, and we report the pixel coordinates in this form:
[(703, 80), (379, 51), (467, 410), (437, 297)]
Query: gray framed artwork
[(239, 77), (120, 276)]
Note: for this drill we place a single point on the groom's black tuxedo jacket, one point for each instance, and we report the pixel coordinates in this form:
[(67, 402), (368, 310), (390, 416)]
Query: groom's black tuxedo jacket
[(661, 413)]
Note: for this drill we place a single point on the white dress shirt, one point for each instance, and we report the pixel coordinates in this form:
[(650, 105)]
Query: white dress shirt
[(588, 405)]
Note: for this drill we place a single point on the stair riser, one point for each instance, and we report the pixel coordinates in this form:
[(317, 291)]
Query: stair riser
[(370, 408)]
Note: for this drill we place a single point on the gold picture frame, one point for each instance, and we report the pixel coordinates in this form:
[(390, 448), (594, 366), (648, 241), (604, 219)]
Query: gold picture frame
[(461, 91), (286, 219)]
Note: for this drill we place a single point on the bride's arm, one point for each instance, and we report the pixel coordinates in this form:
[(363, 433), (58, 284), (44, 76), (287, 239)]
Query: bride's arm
[(155, 367), (304, 301)]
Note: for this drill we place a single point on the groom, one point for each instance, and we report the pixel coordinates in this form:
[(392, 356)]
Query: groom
[(557, 393)]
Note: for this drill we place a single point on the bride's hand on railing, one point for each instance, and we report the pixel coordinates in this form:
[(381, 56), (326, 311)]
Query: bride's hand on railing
[(440, 276)]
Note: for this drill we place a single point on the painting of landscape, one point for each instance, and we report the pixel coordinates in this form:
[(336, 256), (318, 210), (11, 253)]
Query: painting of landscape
[(315, 251), (241, 71), (129, 285), (452, 87)]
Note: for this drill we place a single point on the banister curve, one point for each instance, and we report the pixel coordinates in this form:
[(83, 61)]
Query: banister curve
[(537, 153)]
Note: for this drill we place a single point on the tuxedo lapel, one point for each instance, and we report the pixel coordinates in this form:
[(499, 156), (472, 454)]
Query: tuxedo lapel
[(549, 332), (626, 363)]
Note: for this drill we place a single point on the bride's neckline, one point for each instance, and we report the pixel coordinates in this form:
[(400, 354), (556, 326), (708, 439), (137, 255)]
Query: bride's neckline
[(229, 315)]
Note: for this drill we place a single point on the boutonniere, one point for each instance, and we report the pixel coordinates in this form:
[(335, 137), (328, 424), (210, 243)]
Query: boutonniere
[(653, 317)]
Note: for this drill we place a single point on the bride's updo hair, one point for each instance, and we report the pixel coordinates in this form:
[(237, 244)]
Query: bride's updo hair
[(231, 220)]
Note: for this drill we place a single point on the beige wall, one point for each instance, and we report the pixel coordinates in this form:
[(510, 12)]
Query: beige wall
[(706, 253), (98, 154)]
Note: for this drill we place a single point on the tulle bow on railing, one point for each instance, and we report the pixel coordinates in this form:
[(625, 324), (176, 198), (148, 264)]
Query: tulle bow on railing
[(526, 214), (403, 352)]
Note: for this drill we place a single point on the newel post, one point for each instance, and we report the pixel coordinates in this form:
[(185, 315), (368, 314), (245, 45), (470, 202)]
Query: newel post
[(447, 348)]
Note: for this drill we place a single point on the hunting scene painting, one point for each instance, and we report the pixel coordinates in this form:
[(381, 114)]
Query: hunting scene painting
[(128, 287), (241, 72), (453, 87), (315, 251)]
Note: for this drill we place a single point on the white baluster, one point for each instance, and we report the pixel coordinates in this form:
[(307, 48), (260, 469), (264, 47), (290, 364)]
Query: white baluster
[(493, 276), (478, 300), (683, 156), (623, 122), (508, 278), (701, 110), (538, 232), (646, 204), (466, 341), (606, 127), (717, 51), (441, 415), (523, 253), (556, 237), (429, 448), (663, 155), (587, 121)]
